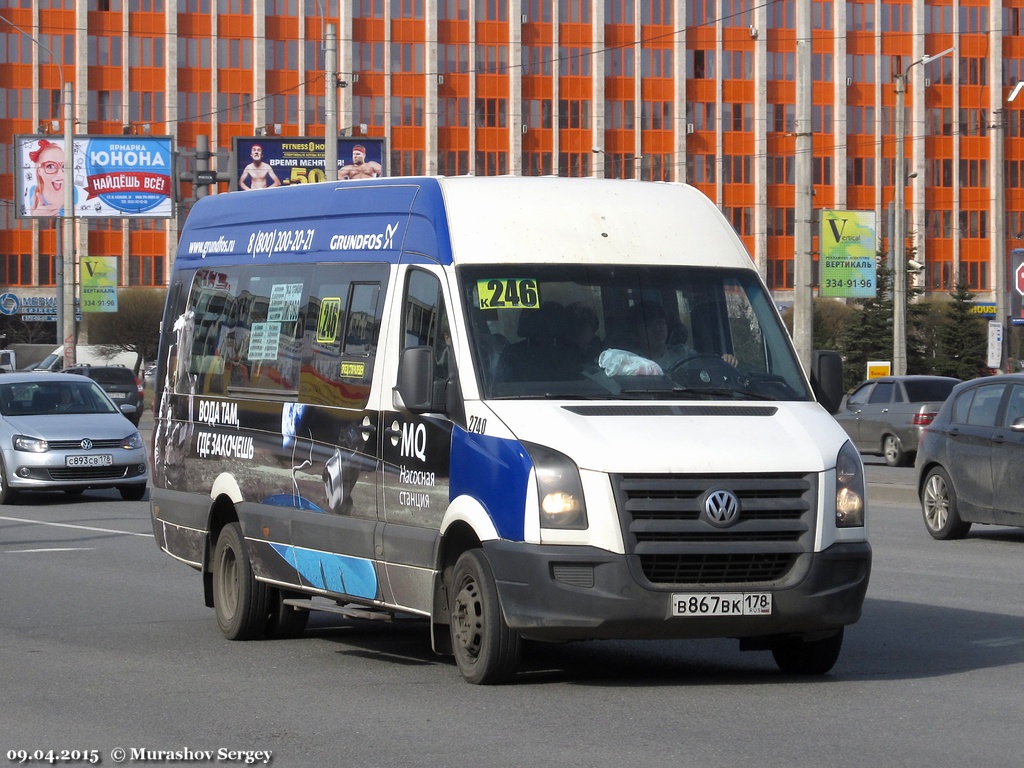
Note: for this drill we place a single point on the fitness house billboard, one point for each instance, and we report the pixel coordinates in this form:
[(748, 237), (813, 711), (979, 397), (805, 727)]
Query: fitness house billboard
[(265, 162), (113, 176)]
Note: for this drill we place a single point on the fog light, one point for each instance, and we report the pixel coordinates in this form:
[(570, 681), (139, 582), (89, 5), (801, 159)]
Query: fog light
[(23, 472)]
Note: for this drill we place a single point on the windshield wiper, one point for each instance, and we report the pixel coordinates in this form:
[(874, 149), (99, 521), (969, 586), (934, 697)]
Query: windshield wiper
[(713, 392)]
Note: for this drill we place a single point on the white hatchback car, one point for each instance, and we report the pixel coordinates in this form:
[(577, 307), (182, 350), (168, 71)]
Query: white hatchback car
[(59, 431)]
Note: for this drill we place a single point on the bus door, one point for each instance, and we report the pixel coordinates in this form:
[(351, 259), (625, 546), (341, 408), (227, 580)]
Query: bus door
[(416, 451)]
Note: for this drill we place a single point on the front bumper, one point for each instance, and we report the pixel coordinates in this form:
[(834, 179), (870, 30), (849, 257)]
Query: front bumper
[(557, 593), (49, 471)]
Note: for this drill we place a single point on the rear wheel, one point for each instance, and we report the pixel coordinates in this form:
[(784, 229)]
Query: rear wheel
[(938, 504), (893, 451), (285, 621), (486, 649), (7, 494), (240, 602), (797, 656)]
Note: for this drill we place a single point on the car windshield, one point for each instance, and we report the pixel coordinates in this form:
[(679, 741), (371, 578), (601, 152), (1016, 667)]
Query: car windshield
[(929, 390), (627, 332), (38, 398)]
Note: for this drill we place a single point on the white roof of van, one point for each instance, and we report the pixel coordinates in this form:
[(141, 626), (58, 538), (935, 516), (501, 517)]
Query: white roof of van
[(511, 218)]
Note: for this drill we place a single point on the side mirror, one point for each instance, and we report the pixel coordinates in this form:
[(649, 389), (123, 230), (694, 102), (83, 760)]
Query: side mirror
[(128, 409), (827, 379), (415, 380)]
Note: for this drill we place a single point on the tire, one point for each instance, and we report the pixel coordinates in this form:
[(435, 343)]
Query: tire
[(134, 492), (938, 506), (796, 656), (7, 494), (486, 650), (284, 621), (893, 451), (240, 602)]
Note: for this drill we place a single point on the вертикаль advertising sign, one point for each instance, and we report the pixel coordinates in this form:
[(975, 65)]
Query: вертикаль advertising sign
[(848, 262)]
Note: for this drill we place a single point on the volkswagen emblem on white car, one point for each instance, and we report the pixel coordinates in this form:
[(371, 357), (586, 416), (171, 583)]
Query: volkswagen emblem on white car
[(87, 444), (721, 508)]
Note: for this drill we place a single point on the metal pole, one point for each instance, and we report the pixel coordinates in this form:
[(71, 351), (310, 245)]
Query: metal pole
[(803, 287), (58, 277), (331, 105), (899, 247), (68, 283)]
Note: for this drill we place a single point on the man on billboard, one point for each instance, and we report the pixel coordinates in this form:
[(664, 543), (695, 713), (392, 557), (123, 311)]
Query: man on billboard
[(256, 175), (360, 167)]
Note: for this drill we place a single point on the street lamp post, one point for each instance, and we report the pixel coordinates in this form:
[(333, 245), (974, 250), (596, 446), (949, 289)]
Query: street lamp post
[(899, 251)]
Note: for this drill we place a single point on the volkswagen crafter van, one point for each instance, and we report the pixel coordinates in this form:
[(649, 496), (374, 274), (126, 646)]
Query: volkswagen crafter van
[(520, 408)]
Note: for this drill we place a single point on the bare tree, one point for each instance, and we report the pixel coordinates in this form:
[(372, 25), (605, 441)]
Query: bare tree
[(135, 327)]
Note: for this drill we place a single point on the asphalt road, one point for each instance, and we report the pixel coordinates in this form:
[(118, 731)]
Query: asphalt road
[(105, 644)]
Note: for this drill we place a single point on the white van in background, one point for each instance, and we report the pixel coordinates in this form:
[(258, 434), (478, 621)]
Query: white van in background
[(85, 354), (540, 409)]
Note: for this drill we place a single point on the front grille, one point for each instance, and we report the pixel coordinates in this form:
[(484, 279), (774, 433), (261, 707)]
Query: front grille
[(672, 545), (76, 445), (89, 473)]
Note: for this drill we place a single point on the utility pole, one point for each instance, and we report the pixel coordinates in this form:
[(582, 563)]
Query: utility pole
[(803, 288), (67, 273), (331, 105)]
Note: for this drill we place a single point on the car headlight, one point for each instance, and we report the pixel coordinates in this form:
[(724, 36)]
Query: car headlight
[(30, 444), (559, 489), (849, 488), (132, 441)]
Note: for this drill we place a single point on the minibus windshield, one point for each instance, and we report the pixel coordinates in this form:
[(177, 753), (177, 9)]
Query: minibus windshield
[(626, 332)]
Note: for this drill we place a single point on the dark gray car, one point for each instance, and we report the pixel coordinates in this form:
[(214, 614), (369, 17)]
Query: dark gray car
[(885, 416), (968, 465), (120, 383)]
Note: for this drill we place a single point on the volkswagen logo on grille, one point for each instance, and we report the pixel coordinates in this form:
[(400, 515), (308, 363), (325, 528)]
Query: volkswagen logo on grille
[(721, 508), (87, 444)]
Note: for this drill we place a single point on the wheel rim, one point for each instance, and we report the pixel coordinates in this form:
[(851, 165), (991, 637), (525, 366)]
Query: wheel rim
[(891, 449), (228, 591), (936, 503), (467, 619)]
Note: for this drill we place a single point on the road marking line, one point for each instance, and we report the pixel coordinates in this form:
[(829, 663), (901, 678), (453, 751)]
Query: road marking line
[(76, 527), (53, 549)]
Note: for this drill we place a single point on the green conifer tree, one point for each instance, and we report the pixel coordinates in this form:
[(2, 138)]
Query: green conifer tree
[(963, 338)]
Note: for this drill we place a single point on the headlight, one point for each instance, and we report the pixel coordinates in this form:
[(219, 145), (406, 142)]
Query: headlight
[(132, 441), (849, 488), (558, 488), (30, 444)]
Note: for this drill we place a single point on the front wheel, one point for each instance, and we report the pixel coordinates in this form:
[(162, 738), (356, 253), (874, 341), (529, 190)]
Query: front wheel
[(797, 656), (240, 602), (486, 649), (938, 504), (134, 492), (7, 494)]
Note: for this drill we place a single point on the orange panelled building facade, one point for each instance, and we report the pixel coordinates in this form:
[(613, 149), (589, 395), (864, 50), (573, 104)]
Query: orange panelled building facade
[(702, 91)]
